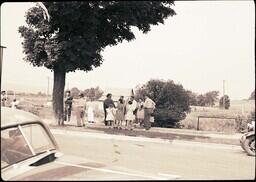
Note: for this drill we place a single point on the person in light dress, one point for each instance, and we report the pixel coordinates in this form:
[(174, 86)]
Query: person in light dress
[(119, 113), (111, 114), (130, 113), (90, 112)]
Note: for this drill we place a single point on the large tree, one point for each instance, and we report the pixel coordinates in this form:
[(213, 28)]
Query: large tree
[(211, 97), (77, 32), (192, 98), (224, 102)]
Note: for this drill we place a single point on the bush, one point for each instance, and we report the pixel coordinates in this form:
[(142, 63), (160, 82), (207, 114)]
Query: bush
[(172, 101), (242, 121)]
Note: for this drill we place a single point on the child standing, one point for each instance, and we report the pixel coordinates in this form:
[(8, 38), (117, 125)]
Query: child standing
[(110, 118), (130, 117), (120, 113)]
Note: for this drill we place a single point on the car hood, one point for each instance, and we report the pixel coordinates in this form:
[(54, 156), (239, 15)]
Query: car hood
[(69, 167)]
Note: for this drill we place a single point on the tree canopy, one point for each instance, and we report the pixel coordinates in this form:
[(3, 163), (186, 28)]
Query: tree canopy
[(78, 31), (207, 99), (93, 93), (224, 102)]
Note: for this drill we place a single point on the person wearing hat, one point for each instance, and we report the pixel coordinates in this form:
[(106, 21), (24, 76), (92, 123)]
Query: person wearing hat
[(130, 112), (68, 106)]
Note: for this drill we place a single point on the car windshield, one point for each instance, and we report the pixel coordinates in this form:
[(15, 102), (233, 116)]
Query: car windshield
[(23, 142)]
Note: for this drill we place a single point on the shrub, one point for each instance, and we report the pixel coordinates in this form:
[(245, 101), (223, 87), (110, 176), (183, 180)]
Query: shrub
[(242, 121), (172, 101)]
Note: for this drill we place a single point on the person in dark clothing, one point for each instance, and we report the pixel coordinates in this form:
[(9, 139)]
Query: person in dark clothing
[(108, 101), (68, 106)]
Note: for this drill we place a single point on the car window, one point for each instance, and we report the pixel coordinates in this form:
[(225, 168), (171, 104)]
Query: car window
[(37, 137), (22, 142), (14, 147)]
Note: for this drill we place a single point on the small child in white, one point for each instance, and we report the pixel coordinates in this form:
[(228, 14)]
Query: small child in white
[(111, 112), (129, 116)]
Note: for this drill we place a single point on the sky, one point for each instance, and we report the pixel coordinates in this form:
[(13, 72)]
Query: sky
[(205, 43)]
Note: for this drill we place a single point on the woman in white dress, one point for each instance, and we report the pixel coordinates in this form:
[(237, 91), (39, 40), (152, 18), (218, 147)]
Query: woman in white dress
[(129, 116), (90, 112)]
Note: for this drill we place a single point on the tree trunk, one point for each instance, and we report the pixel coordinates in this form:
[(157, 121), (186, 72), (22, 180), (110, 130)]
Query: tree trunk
[(58, 95)]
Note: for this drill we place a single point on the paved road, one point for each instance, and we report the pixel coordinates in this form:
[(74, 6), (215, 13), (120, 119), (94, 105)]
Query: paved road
[(172, 159)]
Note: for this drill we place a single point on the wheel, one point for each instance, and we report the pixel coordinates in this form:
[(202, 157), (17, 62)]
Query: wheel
[(249, 145)]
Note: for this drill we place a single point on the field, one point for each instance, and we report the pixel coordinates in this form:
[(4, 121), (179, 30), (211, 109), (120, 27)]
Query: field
[(238, 108), (41, 106)]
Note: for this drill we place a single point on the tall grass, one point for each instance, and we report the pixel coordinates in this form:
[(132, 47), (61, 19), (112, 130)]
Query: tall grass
[(239, 109)]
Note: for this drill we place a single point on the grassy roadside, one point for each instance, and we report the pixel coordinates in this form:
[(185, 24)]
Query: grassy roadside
[(38, 105), (241, 108)]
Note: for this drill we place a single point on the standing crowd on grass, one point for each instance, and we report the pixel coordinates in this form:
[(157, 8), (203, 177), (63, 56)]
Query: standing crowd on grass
[(128, 114), (125, 114)]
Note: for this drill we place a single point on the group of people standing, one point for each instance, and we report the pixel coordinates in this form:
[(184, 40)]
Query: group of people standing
[(81, 105), (125, 114), (128, 113)]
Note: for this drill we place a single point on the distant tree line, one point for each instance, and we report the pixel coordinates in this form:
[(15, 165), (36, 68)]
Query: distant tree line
[(208, 99), (91, 93)]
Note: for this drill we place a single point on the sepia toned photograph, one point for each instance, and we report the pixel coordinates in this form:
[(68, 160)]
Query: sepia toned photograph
[(127, 90)]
